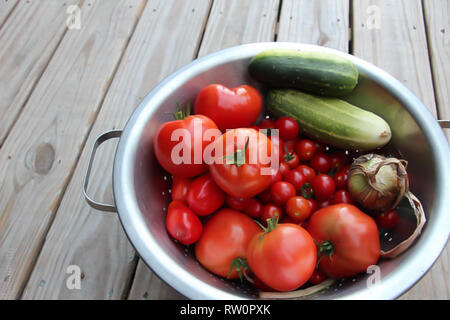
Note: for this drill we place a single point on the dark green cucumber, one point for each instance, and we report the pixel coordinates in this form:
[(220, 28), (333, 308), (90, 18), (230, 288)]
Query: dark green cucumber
[(330, 120), (317, 72)]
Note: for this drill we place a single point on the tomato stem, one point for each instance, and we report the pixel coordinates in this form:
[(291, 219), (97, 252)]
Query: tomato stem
[(306, 191), (326, 249), (238, 157), (241, 267), (182, 112), (289, 155)]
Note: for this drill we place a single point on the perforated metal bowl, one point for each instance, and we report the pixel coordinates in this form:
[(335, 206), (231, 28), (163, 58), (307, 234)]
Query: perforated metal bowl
[(141, 188)]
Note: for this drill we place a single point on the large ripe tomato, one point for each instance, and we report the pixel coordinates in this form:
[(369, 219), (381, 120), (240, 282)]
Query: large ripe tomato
[(225, 237), (175, 149), (348, 239), (229, 108), (182, 224), (204, 196), (244, 169), (283, 257)]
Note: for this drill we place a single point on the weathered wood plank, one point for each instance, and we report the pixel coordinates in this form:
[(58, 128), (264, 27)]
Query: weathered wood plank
[(27, 42), (6, 7), (325, 23), (37, 160), (396, 41), (437, 20), (165, 38), (237, 22), (145, 283), (436, 283)]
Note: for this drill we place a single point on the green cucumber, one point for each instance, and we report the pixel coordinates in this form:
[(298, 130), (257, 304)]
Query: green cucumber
[(316, 72), (330, 120)]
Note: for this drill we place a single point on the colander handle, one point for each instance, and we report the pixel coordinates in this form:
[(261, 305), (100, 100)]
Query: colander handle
[(100, 139)]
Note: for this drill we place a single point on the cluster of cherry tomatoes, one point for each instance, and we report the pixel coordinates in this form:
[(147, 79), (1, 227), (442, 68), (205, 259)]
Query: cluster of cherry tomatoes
[(240, 220)]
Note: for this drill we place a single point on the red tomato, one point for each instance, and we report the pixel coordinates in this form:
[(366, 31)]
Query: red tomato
[(229, 108), (296, 178), (241, 175), (291, 159), (254, 208), (185, 162), (341, 177), (323, 187), (287, 128), (276, 176), (271, 210), (337, 160), (225, 237), (281, 191), (266, 195), (324, 203), (321, 163), (317, 277), (289, 145), (180, 187), (298, 208), (348, 239), (204, 196), (303, 223), (305, 149), (342, 196), (238, 204), (267, 124), (313, 205), (278, 146), (182, 224), (387, 220), (284, 168), (320, 148), (283, 257), (307, 172)]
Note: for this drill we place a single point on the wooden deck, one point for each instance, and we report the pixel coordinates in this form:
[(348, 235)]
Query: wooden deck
[(61, 87)]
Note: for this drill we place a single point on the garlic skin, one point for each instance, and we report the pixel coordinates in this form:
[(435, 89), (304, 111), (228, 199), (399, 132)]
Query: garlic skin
[(377, 183)]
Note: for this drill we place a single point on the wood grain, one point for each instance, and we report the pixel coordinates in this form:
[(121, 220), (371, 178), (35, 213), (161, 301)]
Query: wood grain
[(165, 39), (399, 46), (6, 7), (37, 161), (324, 23), (437, 20), (29, 39), (236, 22)]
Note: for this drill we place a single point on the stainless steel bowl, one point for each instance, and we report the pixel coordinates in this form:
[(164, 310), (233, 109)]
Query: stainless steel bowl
[(141, 187)]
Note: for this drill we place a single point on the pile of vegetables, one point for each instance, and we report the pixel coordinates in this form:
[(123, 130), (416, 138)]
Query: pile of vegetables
[(313, 213)]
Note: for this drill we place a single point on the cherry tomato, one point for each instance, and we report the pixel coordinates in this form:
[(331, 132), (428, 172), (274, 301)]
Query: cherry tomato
[(281, 191), (307, 172), (317, 277), (323, 187), (229, 108), (184, 164), (180, 187), (266, 196), (283, 257), (289, 145), (324, 203), (239, 174), (182, 224), (305, 149), (204, 196), (342, 196), (271, 210), (341, 178), (313, 205), (348, 240), (225, 237), (387, 220), (337, 160), (276, 176), (238, 204), (284, 168), (267, 124), (254, 208), (291, 159), (298, 208), (321, 163), (296, 178), (320, 148), (277, 145), (288, 128)]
